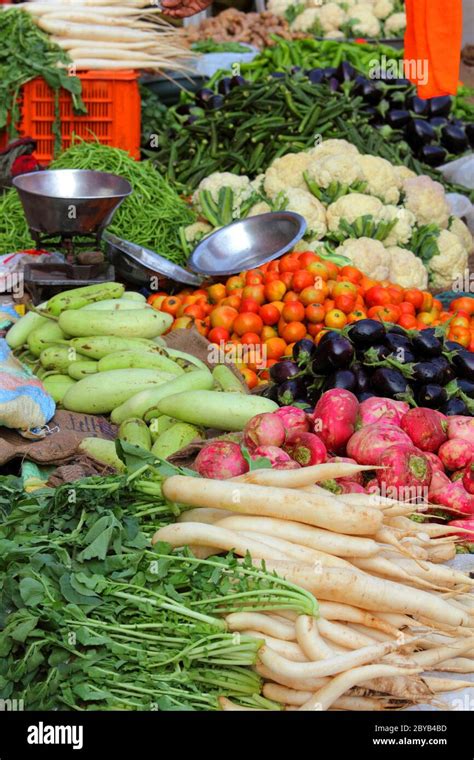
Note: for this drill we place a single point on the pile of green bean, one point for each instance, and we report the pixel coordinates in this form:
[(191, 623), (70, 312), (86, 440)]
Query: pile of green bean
[(150, 216)]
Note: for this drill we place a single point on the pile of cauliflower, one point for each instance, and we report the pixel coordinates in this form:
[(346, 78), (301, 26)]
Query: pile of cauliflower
[(413, 205), (343, 18)]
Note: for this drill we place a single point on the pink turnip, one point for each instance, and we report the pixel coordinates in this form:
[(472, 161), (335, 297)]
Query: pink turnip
[(372, 486), (435, 461), (407, 473), (458, 475), (368, 444), (468, 478), (350, 486), (377, 409), (466, 528), (427, 428), (277, 456), (357, 478), (265, 429), (439, 481), (335, 417), (453, 497), (305, 448), (293, 418), (221, 460), (456, 453), (461, 427)]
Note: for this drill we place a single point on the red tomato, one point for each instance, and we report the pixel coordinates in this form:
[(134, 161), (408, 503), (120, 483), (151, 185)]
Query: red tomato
[(218, 335), (250, 339), (314, 313), (171, 305), (406, 307), (293, 311), (223, 316), (289, 262), (355, 316), (465, 303), (234, 283), (351, 273), (256, 292), (415, 297), (248, 304), (302, 279), (389, 313), (408, 321), (274, 291), (345, 303), (250, 377), (377, 296), (287, 278), (195, 311), (307, 258), (269, 314), (293, 332), (275, 348), (248, 322)]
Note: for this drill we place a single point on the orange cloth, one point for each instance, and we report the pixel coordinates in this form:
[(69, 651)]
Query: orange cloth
[(433, 39)]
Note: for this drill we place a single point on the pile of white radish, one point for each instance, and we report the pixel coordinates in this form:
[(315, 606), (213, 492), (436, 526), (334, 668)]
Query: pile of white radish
[(389, 612), (106, 34)]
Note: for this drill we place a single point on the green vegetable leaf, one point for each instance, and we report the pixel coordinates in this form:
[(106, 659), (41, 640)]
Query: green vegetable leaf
[(31, 592)]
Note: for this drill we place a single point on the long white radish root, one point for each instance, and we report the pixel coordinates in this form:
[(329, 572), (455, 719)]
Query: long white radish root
[(300, 553), (377, 594), (295, 697), (343, 635), (305, 535), (284, 503), (310, 640), (239, 621), (209, 516), (349, 614), (181, 534), (325, 697), (288, 649), (305, 476), (292, 683), (438, 685), (432, 657), (229, 706)]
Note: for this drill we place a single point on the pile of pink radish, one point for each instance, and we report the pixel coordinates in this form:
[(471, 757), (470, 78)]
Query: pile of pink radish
[(418, 454)]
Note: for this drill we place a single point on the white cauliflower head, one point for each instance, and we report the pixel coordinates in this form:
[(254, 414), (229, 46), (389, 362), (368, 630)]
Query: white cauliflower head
[(334, 168), (193, 233), (426, 199), (286, 171), (302, 202), (364, 22), (334, 34), (262, 207), (380, 177), (279, 7), (240, 186), (368, 255), (402, 173), (458, 228), (333, 147), (304, 21), (450, 263), (402, 232), (382, 8), (257, 183), (351, 207), (406, 269), (395, 24), (331, 16)]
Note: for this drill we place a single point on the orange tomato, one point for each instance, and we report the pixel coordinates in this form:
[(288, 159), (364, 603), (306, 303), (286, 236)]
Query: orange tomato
[(396, 294), (343, 287), (427, 304), (293, 332), (171, 305), (425, 318), (459, 321), (345, 303), (313, 295), (233, 301), (250, 377), (275, 348), (289, 262), (248, 304), (407, 308), (274, 291), (218, 335), (408, 321), (202, 326), (250, 339), (314, 313), (461, 335), (223, 316), (333, 269), (247, 321), (319, 269), (156, 299), (267, 332), (289, 349), (366, 283), (351, 273), (269, 314), (195, 311), (234, 283), (287, 278), (464, 303), (216, 292), (271, 276), (335, 318), (314, 329), (293, 311), (329, 304), (355, 316), (290, 295), (253, 277), (302, 279), (307, 258), (256, 292), (437, 304), (415, 297), (377, 296), (278, 304), (182, 323)]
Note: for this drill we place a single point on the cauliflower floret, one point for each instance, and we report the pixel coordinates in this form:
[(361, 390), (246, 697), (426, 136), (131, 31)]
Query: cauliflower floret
[(262, 207), (426, 199), (395, 24), (380, 177), (368, 255), (403, 229), (333, 147), (286, 172), (304, 21), (335, 34), (331, 16), (383, 8), (351, 207), (458, 228), (402, 173), (450, 263), (240, 186), (278, 7), (302, 202), (335, 168), (196, 231), (257, 183), (406, 269), (365, 23)]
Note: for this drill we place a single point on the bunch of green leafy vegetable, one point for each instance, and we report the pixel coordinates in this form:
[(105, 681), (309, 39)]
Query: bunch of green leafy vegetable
[(93, 617), (25, 53)]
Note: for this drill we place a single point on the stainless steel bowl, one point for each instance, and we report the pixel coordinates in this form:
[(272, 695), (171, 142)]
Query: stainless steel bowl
[(247, 243), (70, 201)]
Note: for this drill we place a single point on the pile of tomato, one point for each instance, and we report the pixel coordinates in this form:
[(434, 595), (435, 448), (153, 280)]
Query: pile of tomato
[(299, 296)]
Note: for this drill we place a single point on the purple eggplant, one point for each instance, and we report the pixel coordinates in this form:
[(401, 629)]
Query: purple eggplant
[(431, 395), (464, 363), (224, 86), (315, 76), (433, 155), (440, 106), (388, 382), (419, 106), (216, 102), (283, 371), (289, 391), (397, 118), (339, 350), (371, 94), (427, 373), (454, 139), (303, 351), (419, 133), (204, 95), (343, 378), (366, 332), (454, 406), (237, 81), (345, 72), (439, 121), (469, 130)]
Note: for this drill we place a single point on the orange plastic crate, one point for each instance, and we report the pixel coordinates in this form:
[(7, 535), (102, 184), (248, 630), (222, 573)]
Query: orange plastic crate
[(112, 99)]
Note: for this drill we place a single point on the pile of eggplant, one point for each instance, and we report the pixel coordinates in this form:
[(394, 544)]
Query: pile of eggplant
[(433, 134), (369, 359)]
